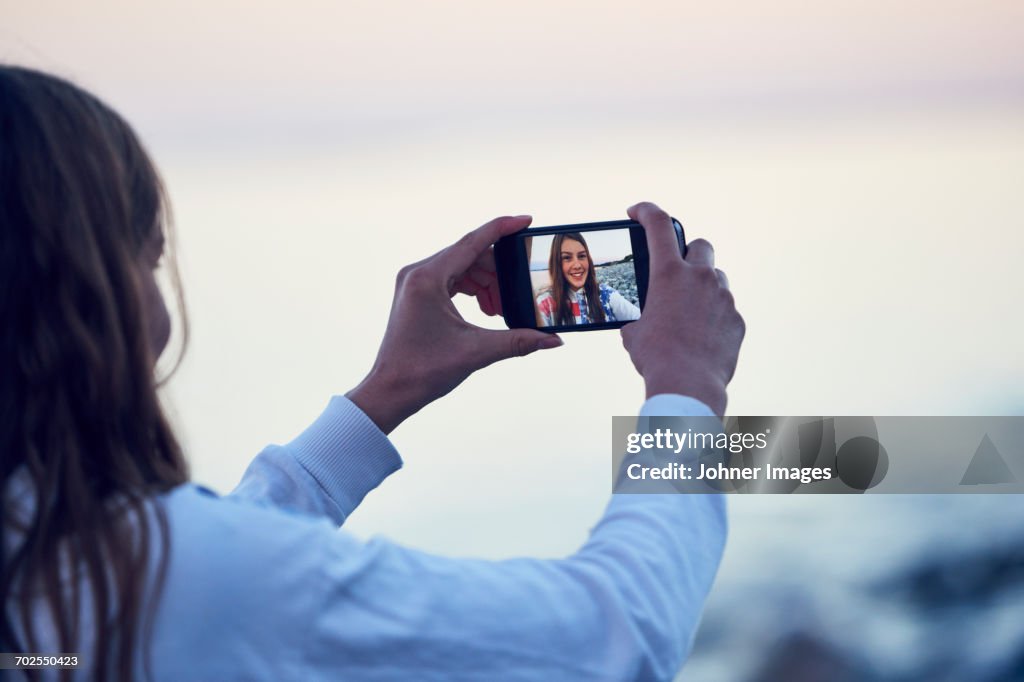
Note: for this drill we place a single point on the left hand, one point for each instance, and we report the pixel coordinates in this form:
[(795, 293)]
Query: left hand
[(428, 348)]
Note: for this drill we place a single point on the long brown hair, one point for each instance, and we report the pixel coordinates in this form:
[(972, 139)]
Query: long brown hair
[(560, 288), (83, 441)]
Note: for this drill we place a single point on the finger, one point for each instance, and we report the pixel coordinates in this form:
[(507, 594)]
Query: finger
[(467, 286), (700, 252), (500, 345), (484, 301), (486, 261), (488, 297), (458, 257), (495, 295), (471, 282), (481, 276), (662, 244), (482, 270), (723, 280), (626, 332)]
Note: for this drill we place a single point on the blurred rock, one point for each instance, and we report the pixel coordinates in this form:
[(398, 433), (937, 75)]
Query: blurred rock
[(805, 657), (620, 276), (938, 610)]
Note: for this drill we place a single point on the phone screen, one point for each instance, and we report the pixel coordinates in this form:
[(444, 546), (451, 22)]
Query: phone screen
[(582, 278)]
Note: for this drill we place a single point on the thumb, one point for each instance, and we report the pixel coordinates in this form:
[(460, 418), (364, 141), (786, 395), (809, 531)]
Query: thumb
[(501, 345)]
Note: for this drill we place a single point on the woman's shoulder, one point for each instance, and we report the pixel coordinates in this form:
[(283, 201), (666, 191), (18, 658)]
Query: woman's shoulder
[(223, 535), (242, 577), (607, 291), (545, 301), (221, 545), (197, 511)]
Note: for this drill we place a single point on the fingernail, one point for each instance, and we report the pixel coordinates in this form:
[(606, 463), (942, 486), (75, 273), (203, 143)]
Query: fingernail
[(549, 342), (525, 216)]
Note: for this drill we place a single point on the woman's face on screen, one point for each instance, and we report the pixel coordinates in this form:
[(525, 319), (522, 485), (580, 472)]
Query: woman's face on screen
[(575, 264)]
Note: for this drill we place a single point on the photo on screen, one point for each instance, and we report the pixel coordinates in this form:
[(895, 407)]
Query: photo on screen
[(582, 278)]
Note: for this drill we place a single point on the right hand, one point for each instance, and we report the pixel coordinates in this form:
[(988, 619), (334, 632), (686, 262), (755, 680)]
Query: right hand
[(688, 339)]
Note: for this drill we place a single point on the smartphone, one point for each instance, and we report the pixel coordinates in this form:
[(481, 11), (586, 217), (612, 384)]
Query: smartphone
[(569, 278)]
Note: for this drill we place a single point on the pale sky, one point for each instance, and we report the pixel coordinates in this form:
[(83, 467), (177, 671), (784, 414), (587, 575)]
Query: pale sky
[(270, 72), (604, 246), (856, 164)]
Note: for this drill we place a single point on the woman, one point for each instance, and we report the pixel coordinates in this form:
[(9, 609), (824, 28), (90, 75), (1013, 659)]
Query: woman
[(107, 550), (575, 296), (85, 445)]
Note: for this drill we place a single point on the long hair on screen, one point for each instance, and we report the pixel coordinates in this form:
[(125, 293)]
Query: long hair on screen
[(560, 288)]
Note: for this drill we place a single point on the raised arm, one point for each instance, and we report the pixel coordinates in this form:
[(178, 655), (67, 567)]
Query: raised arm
[(625, 606), (327, 470), (273, 596)]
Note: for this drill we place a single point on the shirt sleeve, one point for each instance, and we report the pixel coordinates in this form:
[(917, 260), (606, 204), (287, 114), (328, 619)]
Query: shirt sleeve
[(621, 307), (625, 606), (545, 310), (327, 470)]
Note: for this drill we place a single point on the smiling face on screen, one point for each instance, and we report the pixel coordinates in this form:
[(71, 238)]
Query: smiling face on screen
[(575, 263)]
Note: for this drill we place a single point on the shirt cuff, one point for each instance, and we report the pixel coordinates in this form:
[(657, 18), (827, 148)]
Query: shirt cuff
[(345, 452), (675, 405)]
